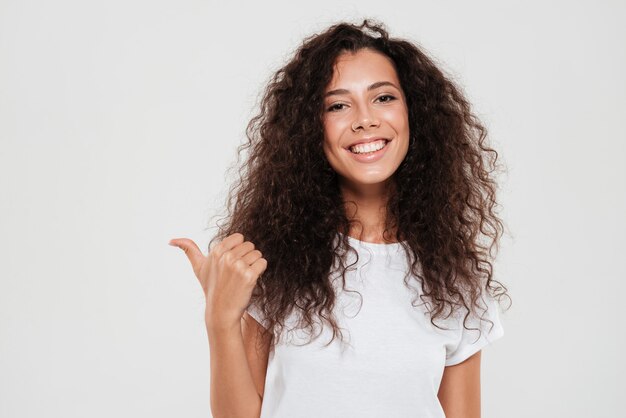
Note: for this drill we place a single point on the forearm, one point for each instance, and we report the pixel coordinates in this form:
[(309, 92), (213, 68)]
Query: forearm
[(233, 394)]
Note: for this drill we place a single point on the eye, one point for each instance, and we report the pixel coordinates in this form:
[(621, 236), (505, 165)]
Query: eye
[(388, 96), (333, 108)]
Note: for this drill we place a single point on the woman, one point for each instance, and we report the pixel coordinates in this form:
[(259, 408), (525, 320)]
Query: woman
[(367, 188)]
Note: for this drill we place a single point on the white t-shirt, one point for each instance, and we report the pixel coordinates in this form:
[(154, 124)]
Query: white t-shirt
[(392, 362)]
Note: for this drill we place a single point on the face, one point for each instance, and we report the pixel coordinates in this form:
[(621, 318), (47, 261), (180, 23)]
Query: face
[(365, 104)]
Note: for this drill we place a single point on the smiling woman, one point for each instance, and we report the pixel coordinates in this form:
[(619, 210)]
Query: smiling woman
[(366, 205), (366, 123)]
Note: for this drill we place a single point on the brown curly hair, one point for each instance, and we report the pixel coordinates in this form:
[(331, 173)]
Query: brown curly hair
[(287, 199)]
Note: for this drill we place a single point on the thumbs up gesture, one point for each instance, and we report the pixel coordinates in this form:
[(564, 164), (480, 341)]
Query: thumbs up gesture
[(227, 275)]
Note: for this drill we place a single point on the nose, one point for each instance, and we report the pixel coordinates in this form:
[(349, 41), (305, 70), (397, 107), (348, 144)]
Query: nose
[(365, 119)]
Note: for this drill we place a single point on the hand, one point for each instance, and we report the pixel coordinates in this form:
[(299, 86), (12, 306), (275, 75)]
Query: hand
[(227, 275)]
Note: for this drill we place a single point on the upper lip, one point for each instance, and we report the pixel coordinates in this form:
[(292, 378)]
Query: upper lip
[(366, 140)]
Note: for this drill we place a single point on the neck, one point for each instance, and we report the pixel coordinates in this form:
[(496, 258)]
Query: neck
[(366, 209)]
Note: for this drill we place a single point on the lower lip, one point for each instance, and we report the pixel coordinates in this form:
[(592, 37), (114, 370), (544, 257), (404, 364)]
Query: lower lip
[(371, 156)]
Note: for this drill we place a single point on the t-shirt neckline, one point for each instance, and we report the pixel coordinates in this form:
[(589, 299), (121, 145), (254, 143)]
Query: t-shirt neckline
[(378, 247)]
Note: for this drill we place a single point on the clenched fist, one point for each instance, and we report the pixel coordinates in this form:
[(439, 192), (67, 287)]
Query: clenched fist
[(227, 275)]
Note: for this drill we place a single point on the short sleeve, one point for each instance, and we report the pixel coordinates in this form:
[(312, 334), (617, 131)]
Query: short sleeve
[(468, 342), (255, 312)]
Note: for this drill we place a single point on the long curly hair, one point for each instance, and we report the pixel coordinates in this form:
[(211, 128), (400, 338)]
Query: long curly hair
[(287, 199)]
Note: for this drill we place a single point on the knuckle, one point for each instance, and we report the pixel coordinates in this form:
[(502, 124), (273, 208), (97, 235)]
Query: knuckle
[(216, 254), (239, 264), (227, 256), (217, 248), (242, 269), (249, 275)]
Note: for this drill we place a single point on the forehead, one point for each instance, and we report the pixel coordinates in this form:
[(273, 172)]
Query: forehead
[(365, 65)]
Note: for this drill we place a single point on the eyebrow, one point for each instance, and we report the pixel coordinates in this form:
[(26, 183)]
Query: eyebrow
[(370, 87)]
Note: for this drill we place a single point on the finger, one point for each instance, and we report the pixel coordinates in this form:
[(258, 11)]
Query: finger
[(242, 249), (231, 241), (259, 266), (251, 257), (190, 248)]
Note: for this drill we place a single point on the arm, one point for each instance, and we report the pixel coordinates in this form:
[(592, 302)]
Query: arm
[(233, 389), (228, 275), (459, 391), (257, 354)]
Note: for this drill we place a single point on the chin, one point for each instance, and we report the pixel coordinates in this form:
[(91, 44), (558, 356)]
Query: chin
[(370, 180)]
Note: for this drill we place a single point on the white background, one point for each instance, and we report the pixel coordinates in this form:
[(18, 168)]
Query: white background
[(119, 119)]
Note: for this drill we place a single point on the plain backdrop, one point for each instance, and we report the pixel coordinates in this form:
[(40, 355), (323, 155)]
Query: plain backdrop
[(119, 120)]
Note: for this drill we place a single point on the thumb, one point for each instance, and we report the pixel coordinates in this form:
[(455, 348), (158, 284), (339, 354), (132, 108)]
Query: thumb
[(190, 248)]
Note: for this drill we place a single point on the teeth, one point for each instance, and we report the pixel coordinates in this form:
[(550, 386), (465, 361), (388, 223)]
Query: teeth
[(369, 147)]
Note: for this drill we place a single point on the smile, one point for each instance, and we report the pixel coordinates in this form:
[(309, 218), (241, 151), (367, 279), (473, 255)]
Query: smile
[(367, 153)]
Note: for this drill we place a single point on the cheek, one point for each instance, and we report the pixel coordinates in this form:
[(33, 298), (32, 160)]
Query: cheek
[(329, 127), (335, 125), (327, 146), (331, 137), (399, 119), (332, 153), (326, 149)]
